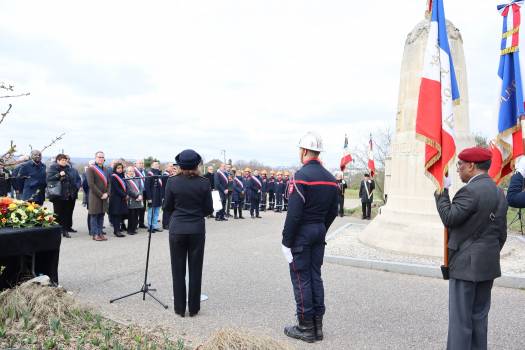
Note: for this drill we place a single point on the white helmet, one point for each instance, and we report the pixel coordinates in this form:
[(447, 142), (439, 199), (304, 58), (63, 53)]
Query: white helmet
[(311, 141)]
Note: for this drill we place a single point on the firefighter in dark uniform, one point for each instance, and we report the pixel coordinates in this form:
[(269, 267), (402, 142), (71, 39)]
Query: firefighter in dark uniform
[(264, 189), (312, 209), (238, 195), (477, 225), (279, 188), (271, 190), (254, 188), (246, 180)]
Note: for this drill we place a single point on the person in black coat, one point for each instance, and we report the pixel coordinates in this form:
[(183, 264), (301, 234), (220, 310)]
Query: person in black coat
[(154, 193), (515, 194), (77, 184), (118, 199), (342, 186), (366, 193), (188, 199), (60, 172), (476, 220), (32, 179)]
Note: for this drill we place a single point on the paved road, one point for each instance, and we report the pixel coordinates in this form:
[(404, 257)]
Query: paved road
[(248, 283)]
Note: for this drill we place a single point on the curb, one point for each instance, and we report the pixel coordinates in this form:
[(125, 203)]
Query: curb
[(414, 269)]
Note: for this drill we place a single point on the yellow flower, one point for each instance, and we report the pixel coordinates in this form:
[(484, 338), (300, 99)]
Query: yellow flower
[(12, 206), (4, 220), (30, 208)]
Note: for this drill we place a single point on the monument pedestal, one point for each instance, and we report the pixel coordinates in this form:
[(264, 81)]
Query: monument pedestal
[(409, 222)]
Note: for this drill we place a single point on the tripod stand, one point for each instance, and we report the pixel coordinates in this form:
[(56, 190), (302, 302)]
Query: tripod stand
[(145, 289), (517, 218)]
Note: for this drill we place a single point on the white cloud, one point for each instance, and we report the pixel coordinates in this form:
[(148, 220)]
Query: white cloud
[(250, 77)]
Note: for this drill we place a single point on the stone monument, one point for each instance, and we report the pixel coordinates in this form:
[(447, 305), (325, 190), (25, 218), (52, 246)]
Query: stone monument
[(409, 223)]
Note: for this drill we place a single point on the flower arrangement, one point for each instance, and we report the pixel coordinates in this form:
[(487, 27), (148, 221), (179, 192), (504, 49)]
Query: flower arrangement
[(17, 213)]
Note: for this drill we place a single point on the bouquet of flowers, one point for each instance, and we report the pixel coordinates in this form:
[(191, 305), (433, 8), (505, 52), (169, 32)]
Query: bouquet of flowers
[(17, 213)]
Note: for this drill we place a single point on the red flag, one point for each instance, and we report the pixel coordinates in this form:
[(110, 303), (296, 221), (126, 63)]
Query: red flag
[(347, 158), (371, 163)]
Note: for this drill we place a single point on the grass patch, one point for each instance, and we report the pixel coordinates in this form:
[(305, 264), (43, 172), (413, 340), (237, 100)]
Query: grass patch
[(36, 317), (511, 216)]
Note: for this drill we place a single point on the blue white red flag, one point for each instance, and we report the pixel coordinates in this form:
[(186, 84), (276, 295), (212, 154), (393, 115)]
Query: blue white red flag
[(347, 158), (508, 144), (437, 94)]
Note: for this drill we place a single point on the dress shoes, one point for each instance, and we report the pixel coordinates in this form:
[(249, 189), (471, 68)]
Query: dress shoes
[(72, 230), (66, 234), (259, 217), (157, 230), (118, 234)]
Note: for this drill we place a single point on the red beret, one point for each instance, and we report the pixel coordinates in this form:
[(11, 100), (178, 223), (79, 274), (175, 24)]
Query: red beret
[(475, 155)]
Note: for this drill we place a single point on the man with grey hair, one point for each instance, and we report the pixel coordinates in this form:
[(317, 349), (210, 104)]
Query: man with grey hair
[(140, 172), (32, 179)]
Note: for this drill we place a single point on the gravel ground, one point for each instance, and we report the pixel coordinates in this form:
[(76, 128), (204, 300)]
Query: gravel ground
[(347, 243), (248, 283)]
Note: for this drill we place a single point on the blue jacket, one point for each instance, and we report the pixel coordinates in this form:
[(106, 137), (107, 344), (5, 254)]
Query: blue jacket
[(238, 189), (313, 200), (515, 194), (279, 186), (254, 186), (221, 182), (33, 187)]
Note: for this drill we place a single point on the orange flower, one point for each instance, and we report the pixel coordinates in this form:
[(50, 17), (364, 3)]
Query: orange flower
[(4, 220), (6, 200)]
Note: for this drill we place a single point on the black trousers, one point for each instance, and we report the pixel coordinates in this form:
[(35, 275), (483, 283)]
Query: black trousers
[(133, 219), (366, 207), (271, 199), (469, 305), (254, 205), (116, 221), (263, 201), (341, 205), (63, 209), (190, 249), (228, 203)]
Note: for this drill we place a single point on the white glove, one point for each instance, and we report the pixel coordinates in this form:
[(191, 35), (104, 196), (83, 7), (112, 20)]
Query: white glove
[(448, 182), (520, 166), (287, 252)]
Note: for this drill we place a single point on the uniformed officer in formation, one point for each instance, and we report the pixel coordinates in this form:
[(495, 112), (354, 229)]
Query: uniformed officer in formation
[(477, 226), (279, 188), (271, 190), (312, 209), (286, 180), (221, 185), (264, 189), (246, 180), (254, 193)]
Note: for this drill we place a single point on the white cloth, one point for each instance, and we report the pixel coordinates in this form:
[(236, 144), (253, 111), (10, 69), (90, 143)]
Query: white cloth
[(217, 204), (287, 252), (448, 182), (520, 166)]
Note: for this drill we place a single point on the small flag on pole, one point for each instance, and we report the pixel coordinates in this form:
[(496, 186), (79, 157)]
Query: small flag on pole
[(508, 144), (371, 163), (437, 94), (347, 158)]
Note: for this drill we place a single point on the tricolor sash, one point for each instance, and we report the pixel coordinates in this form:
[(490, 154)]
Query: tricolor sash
[(132, 183), (239, 182), (140, 173), (257, 181), (119, 180), (224, 177), (100, 174), (150, 173)]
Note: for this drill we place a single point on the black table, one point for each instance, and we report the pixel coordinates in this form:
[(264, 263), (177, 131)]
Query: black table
[(42, 244)]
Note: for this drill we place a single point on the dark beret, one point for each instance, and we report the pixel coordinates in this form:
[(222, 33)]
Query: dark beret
[(188, 159), (475, 155)]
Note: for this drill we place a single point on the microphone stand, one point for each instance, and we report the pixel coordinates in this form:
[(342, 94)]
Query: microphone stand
[(145, 289)]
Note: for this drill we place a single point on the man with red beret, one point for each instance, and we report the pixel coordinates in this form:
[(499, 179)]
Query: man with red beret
[(477, 224)]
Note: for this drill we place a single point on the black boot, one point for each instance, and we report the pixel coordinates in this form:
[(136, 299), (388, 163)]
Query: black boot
[(318, 323), (304, 331), (65, 233)]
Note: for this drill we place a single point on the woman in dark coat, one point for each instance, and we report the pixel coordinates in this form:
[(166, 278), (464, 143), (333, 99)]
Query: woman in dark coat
[(188, 200), (60, 172), (118, 199)]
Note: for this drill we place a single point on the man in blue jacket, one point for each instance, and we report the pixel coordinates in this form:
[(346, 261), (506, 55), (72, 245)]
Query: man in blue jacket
[(312, 207), (32, 179)]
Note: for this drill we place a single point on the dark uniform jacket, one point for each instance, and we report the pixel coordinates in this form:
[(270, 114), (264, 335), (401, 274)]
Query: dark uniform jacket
[(270, 186), (153, 188), (33, 188), (313, 200), (238, 189), (254, 186), (118, 198), (477, 225), (188, 200), (362, 191), (279, 186), (515, 194)]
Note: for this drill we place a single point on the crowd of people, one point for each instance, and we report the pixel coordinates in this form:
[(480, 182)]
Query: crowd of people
[(131, 194)]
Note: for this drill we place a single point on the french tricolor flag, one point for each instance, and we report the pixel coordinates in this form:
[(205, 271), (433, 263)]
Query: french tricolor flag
[(508, 144), (437, 94), (347, 158)]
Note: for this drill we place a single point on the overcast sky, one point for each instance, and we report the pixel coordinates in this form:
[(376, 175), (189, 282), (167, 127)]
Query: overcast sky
[(139, 78)]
